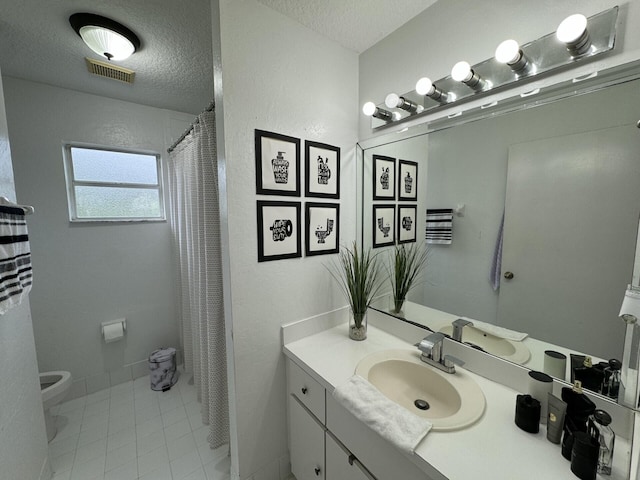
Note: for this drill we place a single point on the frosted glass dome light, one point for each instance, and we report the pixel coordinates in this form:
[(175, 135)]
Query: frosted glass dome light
[(392, 100), (369, 109), (104, 36), (508, 52), (424, 86), (461, 72), (572, 28), (107, 43)]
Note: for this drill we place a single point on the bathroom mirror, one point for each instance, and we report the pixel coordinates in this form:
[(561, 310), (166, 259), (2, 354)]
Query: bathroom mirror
[(565, 173)]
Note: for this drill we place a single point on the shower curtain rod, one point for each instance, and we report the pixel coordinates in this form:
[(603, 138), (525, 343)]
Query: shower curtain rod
[(188, 130)]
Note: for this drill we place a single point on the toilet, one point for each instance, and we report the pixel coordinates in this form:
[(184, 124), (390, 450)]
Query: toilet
[(54, 387)]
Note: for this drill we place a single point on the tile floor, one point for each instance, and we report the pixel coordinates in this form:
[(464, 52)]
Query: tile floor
[(130, 432)]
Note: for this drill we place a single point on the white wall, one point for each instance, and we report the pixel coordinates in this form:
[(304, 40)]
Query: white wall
[(452, 30), (23, 438), (281, 77), (85, 274)]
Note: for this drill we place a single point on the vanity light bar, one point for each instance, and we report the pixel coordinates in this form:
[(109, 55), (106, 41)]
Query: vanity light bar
[(577, 39)]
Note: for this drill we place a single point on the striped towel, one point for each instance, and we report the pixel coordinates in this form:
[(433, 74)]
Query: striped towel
[(439, 226), (15, 258)]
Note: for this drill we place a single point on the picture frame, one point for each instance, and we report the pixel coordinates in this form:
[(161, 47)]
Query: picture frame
[(407, 216), (384, 221), (322, 170), (384, 175), (277, 164), (279, 230), (407, 180), (322, 228)]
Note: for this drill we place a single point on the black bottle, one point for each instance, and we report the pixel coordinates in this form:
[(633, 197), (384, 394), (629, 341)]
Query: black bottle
[(590, 376)]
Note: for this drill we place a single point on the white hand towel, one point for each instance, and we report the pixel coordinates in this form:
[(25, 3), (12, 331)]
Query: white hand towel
[(497, 331), (392, 422)]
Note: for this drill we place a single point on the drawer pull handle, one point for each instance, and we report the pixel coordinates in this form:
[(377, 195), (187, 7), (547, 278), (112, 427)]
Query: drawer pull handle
[(317, 470), (304, 390)]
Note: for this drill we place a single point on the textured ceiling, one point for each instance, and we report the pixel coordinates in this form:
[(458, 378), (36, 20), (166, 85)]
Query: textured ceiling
[(173, 67), (354, 24)]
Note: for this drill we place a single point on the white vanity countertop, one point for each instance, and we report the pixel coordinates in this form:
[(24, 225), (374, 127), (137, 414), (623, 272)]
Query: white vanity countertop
[(493, 448)]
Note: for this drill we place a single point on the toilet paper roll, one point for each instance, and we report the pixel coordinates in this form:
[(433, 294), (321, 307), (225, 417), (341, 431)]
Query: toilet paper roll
[(113, 332)]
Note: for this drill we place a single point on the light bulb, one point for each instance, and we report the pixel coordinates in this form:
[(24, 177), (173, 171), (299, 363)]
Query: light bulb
[(107, 43), (508, 52), (572, 28), (369, 109), (424, 86), (461, 72), (392, 100)]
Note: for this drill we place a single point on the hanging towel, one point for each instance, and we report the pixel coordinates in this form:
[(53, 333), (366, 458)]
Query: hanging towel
[(496, 264), (439, 226), (397, 425), (15, 258)]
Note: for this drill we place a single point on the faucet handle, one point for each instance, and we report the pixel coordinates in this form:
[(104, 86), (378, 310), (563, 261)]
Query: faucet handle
[(453, 360), (458, 325), (431, 345), (462, 322)]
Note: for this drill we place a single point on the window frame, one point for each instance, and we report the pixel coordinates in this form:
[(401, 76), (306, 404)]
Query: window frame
[(72, 183)]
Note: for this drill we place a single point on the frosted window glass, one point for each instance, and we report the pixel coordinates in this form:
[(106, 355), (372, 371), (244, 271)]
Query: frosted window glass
[(113, 167), (117, 202)]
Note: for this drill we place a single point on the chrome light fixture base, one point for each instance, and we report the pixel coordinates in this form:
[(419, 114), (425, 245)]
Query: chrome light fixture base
[(540, 57)]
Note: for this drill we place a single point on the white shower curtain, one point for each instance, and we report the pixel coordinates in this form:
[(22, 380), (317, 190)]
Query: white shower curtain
[(195, 224)]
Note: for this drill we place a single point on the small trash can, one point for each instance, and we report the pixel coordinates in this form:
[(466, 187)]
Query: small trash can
[(162, 369)]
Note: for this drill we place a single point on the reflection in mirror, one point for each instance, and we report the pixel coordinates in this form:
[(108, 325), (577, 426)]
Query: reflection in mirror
[(566, 178)]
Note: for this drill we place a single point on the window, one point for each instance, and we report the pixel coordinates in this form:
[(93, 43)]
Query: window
[(108, 185)]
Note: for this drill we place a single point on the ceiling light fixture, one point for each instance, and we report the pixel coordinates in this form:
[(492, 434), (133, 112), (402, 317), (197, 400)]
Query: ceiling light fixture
[(426, 87), (510, 53), (370, 110), (462, 72), (573, 32), (393, 100), (104, 36)]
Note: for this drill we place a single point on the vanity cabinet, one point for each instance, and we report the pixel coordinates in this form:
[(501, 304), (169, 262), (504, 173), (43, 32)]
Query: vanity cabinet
[(316, 454)]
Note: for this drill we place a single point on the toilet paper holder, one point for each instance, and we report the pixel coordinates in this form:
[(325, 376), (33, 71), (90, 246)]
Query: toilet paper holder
[(123, 321)]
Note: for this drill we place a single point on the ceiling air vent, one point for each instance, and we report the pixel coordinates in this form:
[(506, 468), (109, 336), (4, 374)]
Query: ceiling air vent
[(105, 69)]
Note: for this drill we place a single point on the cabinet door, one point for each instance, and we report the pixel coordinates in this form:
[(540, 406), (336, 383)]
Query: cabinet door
[(337, 463), (306, 447)]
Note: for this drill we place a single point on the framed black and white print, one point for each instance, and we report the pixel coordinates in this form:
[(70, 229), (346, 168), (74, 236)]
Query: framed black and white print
[(279, 232), (407, 180), (384, 178), (407, 223), (277, 164), (384, 221), (323, 228), (322, 172)]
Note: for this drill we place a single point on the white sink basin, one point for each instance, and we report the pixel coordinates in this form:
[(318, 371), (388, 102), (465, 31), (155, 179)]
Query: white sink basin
[(454, 400), (515, 352)]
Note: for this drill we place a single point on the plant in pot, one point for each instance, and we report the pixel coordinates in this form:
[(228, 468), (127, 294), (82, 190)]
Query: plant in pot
[(358, 274), (405, 267)]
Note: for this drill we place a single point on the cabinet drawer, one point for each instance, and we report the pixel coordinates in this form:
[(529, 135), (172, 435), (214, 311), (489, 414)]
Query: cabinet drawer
[(306, 389), (306, 443), (340, 464)]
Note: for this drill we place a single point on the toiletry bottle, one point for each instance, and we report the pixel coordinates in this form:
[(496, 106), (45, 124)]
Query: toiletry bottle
[(590, 377), (579, 406), (599, 428), (611, 383)]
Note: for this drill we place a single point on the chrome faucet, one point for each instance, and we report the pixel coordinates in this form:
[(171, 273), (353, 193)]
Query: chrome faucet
[(458, 325), (432, 352)]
